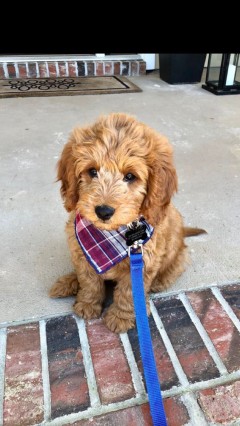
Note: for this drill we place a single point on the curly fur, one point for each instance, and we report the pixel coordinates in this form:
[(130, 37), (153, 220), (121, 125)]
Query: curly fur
[(116, 145)]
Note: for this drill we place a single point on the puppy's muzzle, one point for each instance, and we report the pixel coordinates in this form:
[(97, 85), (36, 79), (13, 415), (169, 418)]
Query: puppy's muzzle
[(104, 212)]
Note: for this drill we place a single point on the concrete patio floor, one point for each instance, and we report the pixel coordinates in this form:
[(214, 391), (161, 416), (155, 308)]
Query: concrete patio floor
[(205, 132), (54, 367)]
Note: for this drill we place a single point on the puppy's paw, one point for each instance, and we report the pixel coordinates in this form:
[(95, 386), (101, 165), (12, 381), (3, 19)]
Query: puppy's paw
[(67, 285), (87, 310), (115, 322)]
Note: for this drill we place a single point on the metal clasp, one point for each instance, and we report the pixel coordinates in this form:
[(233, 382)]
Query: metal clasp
[(135, 246)]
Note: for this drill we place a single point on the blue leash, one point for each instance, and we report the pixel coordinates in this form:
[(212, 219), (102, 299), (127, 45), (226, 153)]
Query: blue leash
[(145, 342)]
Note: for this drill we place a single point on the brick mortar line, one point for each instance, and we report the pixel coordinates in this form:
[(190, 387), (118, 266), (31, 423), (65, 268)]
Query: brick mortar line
[(67, 69), (37, 69), (138, 68), (203, 334), (27, 69), (45, 371), (121, 67), (76, 68), (204, 287), (3, 346), (16, 70), (88, 363), (204, 384), (135, 373), (95, 411), (171, 352), (194, 410), (132, 402), (47, 69), (5, 68), (217, 293), (57, 69), (34, 319)]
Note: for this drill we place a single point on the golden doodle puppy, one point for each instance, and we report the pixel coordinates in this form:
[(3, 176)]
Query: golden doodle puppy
[(114, 173)]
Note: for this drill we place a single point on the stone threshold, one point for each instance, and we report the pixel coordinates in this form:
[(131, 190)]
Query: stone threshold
[(54, 57)]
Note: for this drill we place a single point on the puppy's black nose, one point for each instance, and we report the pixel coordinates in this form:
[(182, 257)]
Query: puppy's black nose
[(104, 212)]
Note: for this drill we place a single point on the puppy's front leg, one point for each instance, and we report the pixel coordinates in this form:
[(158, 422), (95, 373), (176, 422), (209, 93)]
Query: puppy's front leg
[(90, 295), (119, 316)]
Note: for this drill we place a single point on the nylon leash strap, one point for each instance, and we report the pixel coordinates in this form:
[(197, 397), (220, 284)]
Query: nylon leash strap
[(145, 342)]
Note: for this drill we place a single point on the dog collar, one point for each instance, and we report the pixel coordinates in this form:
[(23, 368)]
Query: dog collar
[(104, 249)]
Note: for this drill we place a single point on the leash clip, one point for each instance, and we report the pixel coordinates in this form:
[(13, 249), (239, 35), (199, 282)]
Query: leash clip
[(135, 246)]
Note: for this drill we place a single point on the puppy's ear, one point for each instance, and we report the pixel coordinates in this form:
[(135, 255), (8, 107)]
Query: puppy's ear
[(162, 182), (66, 174)]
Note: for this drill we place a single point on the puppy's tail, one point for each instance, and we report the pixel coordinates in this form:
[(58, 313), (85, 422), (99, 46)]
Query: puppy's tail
[(65, 286), (191, 232)]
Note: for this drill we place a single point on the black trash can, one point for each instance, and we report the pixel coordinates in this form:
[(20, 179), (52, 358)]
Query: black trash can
[(181, 68)]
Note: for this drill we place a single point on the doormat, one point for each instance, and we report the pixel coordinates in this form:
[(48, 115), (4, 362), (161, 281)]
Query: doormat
[(66, 86)]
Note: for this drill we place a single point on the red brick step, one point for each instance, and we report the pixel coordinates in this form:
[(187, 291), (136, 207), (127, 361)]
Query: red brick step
[(42, 366)]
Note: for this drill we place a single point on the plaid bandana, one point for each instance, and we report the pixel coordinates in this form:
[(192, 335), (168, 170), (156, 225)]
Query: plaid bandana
[(104, 249)]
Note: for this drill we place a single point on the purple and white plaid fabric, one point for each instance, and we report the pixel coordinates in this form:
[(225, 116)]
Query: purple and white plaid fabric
[(104, 249)]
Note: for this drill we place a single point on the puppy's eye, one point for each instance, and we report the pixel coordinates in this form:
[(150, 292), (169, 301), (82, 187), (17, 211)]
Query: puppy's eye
[(92, 173), (129, 177)]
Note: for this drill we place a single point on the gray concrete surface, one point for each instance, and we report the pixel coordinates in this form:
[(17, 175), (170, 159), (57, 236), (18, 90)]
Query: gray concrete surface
[(205, 132)]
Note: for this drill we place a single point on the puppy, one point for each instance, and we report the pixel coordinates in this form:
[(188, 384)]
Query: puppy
[(114, 173)]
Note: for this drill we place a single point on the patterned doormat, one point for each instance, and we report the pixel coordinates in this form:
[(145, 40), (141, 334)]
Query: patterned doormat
[(66, 86)]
